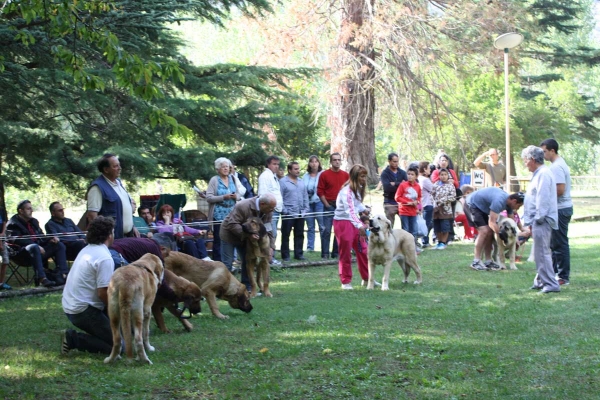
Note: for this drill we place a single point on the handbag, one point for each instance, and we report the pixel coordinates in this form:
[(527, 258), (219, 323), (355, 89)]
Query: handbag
[(421, 226), (183, 236)]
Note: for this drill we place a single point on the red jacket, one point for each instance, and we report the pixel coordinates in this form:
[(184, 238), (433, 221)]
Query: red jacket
[(435, 176), (408, 192)]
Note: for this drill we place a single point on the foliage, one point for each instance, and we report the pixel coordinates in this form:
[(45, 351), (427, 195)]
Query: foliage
[(461, 334), (85, 78)]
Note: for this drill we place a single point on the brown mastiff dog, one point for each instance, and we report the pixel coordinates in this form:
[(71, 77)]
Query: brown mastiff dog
[(173, 290), (214, 280), (257, 254), (131, 292)]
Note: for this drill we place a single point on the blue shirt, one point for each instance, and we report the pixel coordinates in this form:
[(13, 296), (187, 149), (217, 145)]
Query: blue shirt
[(295, 196), (489, 199)]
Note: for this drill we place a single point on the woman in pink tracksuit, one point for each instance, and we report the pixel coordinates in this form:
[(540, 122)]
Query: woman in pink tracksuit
[(349, 229)]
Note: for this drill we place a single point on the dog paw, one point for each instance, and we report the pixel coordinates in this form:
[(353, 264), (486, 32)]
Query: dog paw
[(513, 267), (417, 282), (405, 281), (385, 288), (268, 294), (370, 286), (150, 347), (108, 360), (221, 316)]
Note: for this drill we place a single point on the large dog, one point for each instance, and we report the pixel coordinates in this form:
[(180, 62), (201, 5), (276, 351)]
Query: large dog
[(214, 280), (131, 292), (173, 290), (387, 245), (257, 255), (505, 241)]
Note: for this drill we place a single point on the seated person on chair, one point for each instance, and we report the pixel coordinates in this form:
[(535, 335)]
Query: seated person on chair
[(35, 250), (4, 249), (186, 236), (72, 237), (145, 222)]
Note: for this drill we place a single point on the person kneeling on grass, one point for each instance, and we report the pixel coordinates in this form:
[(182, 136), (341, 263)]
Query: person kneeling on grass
[(85, 294), (443, 195)]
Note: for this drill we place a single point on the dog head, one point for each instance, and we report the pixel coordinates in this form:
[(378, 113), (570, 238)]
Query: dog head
[(154, 264), (381, 227), (254, 226), (237, 296), (507, 228), (191, 298)]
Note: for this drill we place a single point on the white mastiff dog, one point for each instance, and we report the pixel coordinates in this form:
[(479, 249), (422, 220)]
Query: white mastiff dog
[(387, 245), (505, 242)]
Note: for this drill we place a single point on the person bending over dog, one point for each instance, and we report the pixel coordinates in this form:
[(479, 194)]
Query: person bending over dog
[(232, 231), (85, 294)]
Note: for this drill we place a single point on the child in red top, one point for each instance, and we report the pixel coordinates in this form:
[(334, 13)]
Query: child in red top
[(408, 197)]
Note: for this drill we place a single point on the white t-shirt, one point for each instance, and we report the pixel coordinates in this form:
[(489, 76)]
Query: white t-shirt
[(91, 271), (268, 183), (562, 174), (94, 202)]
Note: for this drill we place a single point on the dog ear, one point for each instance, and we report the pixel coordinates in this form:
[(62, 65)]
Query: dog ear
[(262, 231)]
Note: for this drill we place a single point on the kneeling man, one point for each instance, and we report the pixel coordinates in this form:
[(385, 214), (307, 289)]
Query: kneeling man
[(85, 294)]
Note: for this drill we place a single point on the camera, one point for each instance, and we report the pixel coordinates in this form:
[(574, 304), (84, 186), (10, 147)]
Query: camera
[(311, 192)]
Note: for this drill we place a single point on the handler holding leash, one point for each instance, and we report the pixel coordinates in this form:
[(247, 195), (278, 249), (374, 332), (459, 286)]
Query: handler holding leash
[(349, 229)]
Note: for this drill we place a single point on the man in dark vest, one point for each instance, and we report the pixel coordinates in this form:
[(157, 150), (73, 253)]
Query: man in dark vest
[(107, 197)]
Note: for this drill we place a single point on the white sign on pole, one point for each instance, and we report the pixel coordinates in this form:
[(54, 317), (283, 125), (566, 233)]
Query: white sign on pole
[(478, 178)]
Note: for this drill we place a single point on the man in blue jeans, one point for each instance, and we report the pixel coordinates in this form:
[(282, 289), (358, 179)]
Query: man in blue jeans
[(559, 243), (85, 295)]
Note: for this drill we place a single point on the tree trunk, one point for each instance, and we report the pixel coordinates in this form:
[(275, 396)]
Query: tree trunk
[(352, 120)]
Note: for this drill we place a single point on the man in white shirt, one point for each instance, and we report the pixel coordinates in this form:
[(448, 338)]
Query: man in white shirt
[(268, 183), (107, 197), (561, 253), (85, 293)]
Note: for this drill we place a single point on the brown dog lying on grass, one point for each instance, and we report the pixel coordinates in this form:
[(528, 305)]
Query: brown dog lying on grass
[(214, 280), (258, 252), (131, 292), (174, 290)]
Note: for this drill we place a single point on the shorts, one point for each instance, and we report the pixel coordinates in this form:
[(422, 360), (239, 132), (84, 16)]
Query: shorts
[(479, 217), (442, 225)]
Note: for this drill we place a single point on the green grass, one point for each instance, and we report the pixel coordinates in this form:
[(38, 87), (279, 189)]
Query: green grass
[(461, 334)]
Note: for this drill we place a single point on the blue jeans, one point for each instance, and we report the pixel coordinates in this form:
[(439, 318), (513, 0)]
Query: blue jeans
[(315, 214), (195, 248), (227, 256), (216, 255), (428, 217), (326, 235), (31, 255), (409, 224), (98, 338), (274, 221), (561, 254)]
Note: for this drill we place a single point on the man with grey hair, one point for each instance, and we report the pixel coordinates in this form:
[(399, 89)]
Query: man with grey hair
[(541, 217), (561, 254), (231, 228)]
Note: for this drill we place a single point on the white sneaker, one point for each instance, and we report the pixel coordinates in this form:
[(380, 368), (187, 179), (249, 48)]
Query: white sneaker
[(275, 262), (207, 259), (347, 286)]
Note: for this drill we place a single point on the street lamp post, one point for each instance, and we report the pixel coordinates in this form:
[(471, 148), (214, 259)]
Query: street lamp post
[(505, 42)]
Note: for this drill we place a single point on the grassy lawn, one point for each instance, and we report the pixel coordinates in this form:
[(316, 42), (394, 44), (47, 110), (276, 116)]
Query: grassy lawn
[(461, 334)]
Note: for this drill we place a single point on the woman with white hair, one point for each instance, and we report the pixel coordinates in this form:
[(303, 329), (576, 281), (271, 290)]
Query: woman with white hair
[(221, 196)]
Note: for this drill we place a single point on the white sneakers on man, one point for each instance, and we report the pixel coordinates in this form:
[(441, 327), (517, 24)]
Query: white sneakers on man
[(347, 286)]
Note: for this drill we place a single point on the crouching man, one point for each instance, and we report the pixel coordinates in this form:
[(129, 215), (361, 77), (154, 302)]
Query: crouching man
[(85, 294)]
